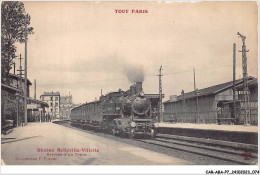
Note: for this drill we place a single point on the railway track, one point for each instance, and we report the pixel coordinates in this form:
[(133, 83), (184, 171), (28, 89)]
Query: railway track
[(238, 156), (192, 146)]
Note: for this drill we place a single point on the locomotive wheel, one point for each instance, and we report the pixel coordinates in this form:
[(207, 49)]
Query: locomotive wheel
[(152, 133), (132, 133)]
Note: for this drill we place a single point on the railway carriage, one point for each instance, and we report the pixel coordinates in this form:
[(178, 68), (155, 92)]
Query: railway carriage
[(127, 113)]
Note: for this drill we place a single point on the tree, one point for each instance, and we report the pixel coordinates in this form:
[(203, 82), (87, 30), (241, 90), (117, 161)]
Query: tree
[(13, 29)]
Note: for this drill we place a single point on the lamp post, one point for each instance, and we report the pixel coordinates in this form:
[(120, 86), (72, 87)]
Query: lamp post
[(197, 92)]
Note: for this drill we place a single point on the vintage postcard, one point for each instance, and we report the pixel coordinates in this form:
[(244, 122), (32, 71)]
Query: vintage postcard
[(130, 83)]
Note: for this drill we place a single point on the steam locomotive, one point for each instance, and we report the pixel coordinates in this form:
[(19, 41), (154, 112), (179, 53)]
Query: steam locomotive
[(128, 113)]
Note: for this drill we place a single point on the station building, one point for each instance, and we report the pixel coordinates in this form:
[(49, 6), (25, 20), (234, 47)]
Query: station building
[(214, 103)]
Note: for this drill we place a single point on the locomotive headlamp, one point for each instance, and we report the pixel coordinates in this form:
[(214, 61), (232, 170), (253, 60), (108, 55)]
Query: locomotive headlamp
[(133, 124), (141, 93), (156, 125)]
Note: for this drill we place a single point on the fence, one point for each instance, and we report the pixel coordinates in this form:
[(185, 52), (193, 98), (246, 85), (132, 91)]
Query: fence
[(220, 115), (191, 117)]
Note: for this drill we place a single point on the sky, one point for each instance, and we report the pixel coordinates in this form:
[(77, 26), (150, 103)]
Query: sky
[(83, 47)]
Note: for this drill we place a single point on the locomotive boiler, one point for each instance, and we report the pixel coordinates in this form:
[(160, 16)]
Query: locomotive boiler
[(128, 113)]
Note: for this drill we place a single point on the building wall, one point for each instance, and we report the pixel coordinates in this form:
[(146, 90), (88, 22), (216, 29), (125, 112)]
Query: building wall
[(54, 105), (66, 105), (253, 93), (253, 105), (207, 107), (226, 95)]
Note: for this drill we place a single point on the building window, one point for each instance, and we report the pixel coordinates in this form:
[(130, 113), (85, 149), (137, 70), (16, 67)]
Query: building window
[(56, 104), (51, 110), (51, 98), (56, 98), (51, 104)]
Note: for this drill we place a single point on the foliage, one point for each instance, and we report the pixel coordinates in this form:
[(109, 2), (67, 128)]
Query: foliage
[(14, 22), (7, 106)]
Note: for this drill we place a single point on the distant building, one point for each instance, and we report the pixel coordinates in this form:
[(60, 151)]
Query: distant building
[(66, 104), (37, 110), (53, 101), (211, 101)]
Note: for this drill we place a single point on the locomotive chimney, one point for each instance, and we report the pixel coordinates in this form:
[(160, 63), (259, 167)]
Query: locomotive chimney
[(132, 90), (138, 87)]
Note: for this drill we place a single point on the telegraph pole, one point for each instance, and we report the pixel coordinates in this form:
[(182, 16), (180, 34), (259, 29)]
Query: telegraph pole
[(35, 89), (196, 91), (20, 82), (234, 81), (183, 103), (160, 94), (20, 73), (25, 75), (194, 79), (245, 77)]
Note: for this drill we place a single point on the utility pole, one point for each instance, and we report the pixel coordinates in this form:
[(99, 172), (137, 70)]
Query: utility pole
[(25, 75), (160, 94), (35, 89), (20, 73), (234, 81), (245, 77), (194, 79), (20, 81), (196, 91), (183, 104)]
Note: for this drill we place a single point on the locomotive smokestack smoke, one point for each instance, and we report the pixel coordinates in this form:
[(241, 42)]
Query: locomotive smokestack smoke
[(134, 73)]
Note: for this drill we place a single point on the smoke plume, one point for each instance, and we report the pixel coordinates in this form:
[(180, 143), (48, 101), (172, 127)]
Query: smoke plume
[(134, 73)]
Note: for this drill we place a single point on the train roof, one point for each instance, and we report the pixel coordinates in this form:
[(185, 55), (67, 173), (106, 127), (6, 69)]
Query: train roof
[(85, 104)]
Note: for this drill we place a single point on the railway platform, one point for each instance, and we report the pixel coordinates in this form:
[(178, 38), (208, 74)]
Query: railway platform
[(52, 144), (231, 133)]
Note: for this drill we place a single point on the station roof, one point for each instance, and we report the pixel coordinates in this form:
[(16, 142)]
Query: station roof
[(251, 83), (211, 90)]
